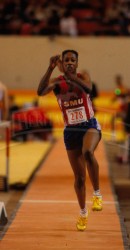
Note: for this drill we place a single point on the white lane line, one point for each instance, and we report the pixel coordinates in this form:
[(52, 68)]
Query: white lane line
[(62, 201)]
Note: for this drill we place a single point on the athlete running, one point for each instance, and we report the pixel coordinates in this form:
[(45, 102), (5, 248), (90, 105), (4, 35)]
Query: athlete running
[(82, 132)]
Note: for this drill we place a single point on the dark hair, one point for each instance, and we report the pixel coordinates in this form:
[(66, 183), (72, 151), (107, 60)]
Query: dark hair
[(70, 50)]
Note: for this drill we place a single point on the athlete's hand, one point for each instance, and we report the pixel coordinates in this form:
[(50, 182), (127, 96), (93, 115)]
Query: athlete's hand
[(84, 84), (72, 77), (60, 66), (53, 61)]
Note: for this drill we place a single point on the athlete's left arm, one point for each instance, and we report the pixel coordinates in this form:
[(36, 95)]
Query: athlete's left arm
[(85, 83)]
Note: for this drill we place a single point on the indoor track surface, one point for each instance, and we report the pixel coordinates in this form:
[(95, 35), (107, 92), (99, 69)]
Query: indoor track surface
[(48, 211)]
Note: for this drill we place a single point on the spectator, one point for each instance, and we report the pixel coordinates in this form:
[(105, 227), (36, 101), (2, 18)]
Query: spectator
[(3, 102), (31, 122), (53, 23), (68, 24), (120, 89), (127, 129), (124, 152), (121, 93), (81, 4), (112, 13), (13, 107)]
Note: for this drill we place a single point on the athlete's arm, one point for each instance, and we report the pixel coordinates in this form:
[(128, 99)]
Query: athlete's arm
[(47, 84), (85, 83)]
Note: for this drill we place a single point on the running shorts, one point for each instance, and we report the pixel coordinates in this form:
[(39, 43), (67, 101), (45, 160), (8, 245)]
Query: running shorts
[(73, 135)]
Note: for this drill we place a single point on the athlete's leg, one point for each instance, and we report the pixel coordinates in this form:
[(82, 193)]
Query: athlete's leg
[(78, 166), (90, 142)]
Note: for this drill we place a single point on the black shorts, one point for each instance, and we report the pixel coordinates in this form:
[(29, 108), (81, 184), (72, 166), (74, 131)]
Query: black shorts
[(73, 135)]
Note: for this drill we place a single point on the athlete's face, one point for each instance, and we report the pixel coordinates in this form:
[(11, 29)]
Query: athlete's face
[(70, 62)]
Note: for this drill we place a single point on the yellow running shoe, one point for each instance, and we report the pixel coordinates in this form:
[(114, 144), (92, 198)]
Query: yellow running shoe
[(97, 203), (82, 223)]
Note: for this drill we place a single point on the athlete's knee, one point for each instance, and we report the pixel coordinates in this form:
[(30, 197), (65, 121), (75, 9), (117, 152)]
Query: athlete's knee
[(80, 181), (88, 154)]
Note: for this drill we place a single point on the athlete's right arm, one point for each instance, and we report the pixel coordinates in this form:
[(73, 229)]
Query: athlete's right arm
[(47, 84)]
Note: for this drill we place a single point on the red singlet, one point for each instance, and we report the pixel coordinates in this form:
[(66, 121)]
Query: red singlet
[(74, 102)]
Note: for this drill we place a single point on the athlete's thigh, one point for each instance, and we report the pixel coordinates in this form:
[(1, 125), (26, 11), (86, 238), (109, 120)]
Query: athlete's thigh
[(91, 139), (77, 161)]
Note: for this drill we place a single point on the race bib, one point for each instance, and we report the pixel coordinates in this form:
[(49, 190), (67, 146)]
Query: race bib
[(76, 115)]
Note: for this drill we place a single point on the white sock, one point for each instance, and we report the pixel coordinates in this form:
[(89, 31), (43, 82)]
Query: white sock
[(84, 212), (97, 193)]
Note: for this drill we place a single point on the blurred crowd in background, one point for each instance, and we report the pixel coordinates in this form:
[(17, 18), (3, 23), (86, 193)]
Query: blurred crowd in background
[(65, 17)]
